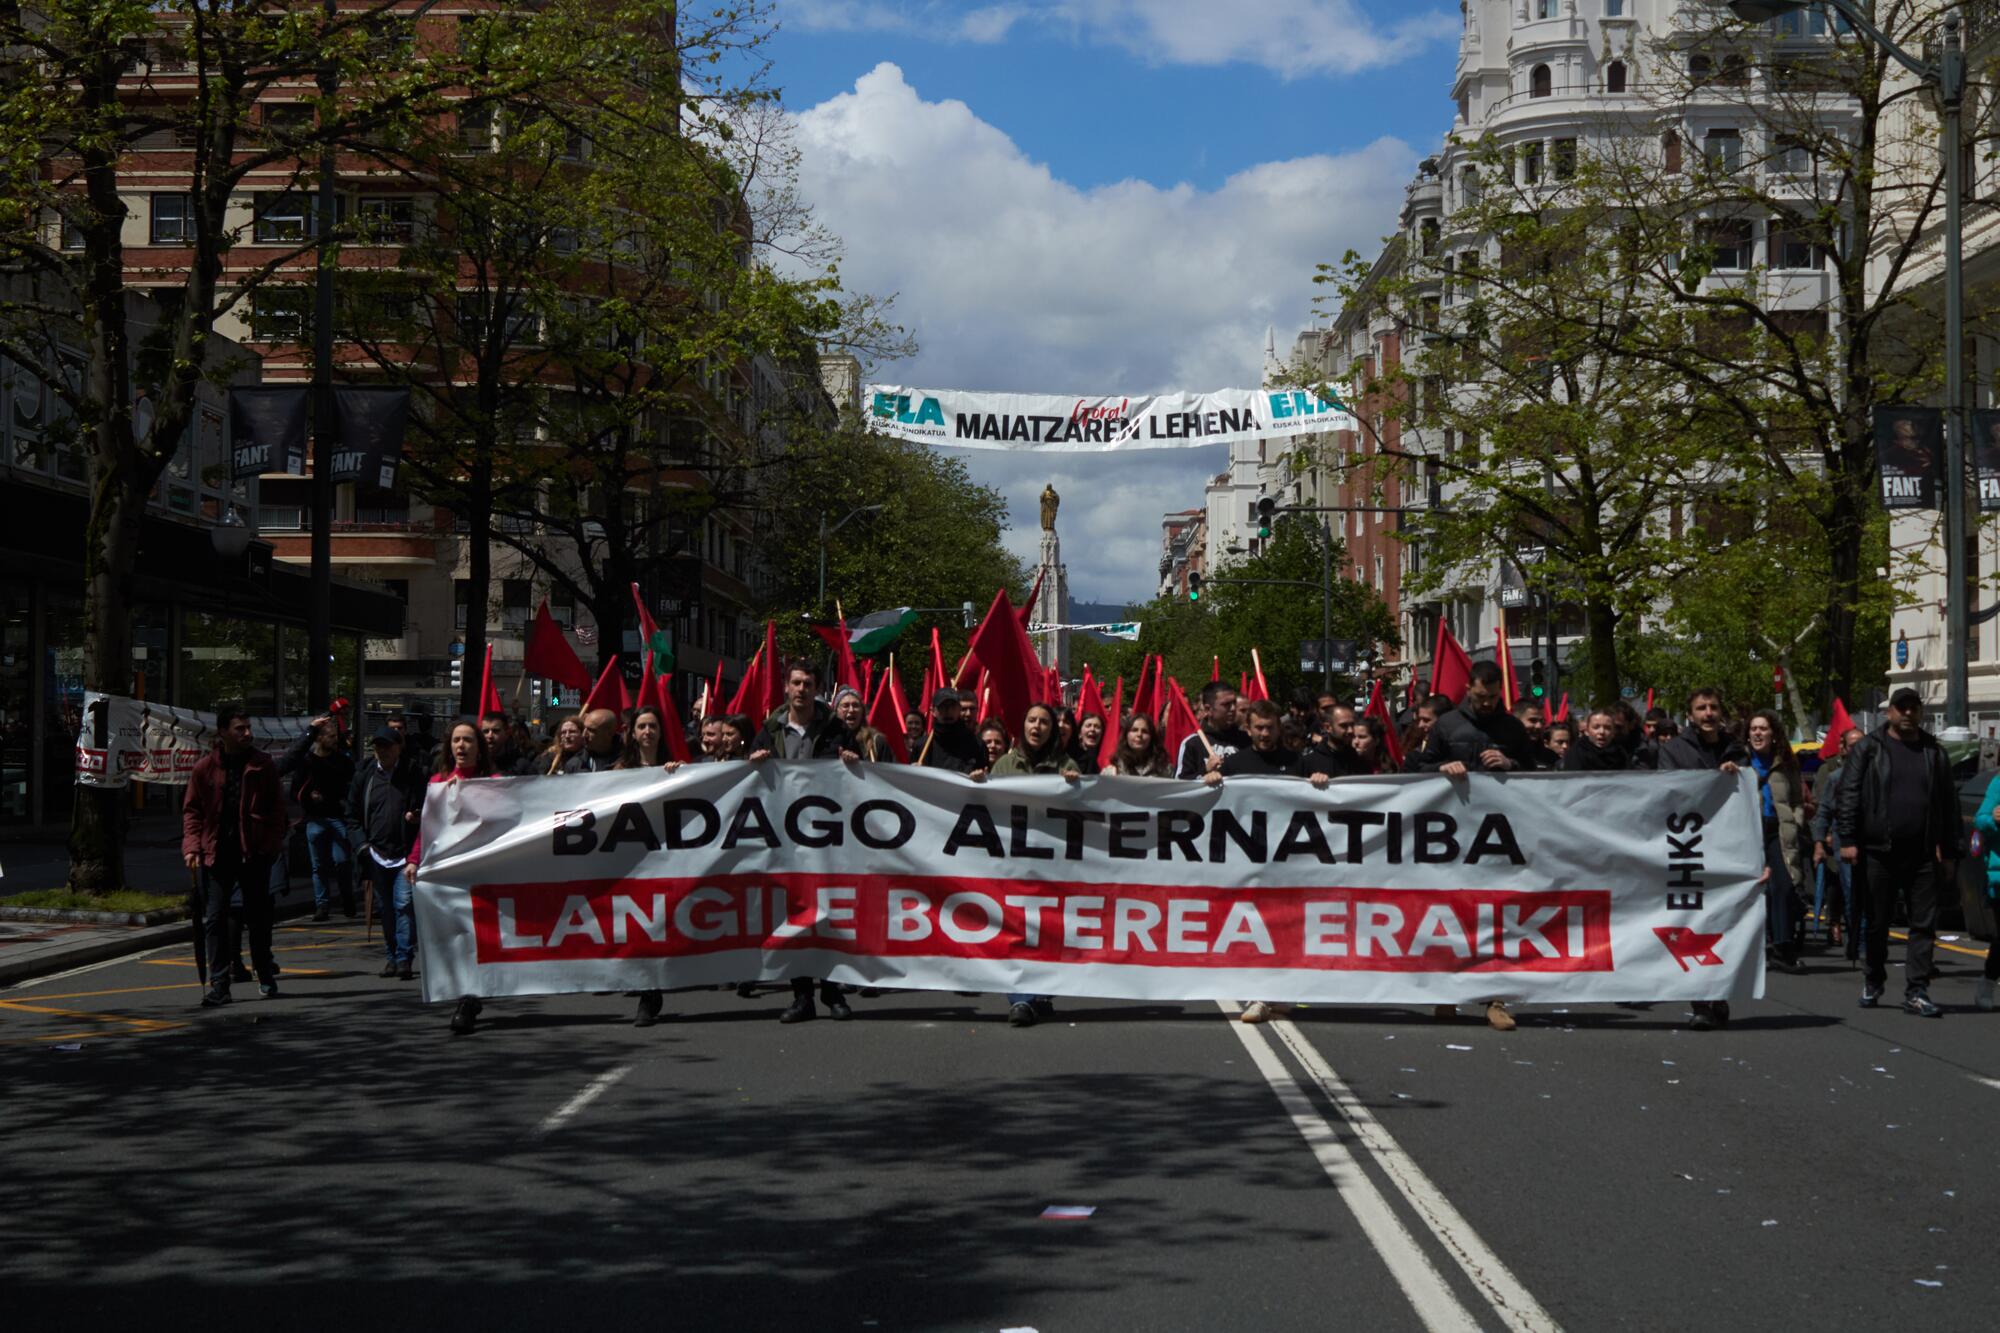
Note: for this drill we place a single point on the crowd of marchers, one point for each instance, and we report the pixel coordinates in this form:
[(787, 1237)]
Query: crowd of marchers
[(1877, 829)]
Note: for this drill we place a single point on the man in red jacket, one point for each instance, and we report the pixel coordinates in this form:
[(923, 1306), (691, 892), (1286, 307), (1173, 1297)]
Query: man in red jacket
[(232, 826)]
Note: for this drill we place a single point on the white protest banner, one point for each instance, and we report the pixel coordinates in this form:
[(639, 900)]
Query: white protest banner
[(1392, 890), (1065, 423), (130, 740)]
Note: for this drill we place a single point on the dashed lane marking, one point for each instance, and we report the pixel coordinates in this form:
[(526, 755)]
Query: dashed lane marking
[(592, 1090)]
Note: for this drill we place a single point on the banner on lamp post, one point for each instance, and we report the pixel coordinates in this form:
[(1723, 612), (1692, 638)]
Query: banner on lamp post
[(1909, 456), (267, 425), (371, 421), (1572, 888), (1986, 458)]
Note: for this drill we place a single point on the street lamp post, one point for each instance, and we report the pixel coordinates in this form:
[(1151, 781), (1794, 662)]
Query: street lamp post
[(319, 609), (825, 532), (1947, 80)]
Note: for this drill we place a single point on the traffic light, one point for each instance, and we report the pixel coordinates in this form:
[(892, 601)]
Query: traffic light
[(1538, 680), (457, 672), (1266, 507), (1194, 587)]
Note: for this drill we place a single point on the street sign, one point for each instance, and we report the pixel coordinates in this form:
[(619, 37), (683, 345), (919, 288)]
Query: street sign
[(1902, 649), (457, 648), (1343, 655)]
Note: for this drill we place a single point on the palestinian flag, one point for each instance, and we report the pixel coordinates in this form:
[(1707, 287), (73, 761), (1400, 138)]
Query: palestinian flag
[(875, 633)]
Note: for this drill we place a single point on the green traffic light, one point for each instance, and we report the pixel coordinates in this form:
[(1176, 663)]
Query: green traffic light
[(1537, 691)]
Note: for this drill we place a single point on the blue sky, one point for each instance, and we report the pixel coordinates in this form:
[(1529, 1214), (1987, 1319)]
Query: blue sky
[(1106, 196)]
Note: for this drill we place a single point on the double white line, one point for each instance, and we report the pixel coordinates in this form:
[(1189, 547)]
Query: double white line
[(1429, 1294)]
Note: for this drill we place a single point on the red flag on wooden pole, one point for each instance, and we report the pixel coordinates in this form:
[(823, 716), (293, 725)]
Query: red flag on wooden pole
[(1008, 659), (489, 693), (1504, 654), (1215, 669), (1263, 686), (750, 690), (1180, 722), (1114, 725), (1451, 668), (547, 653), (1838, 727), (887, 711), (1391, 742), (774, 673), (609, 691), (675, 739), (1561, 714)]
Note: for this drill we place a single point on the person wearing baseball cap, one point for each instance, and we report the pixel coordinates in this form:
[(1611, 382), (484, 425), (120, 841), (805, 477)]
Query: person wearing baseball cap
[(952, 744)]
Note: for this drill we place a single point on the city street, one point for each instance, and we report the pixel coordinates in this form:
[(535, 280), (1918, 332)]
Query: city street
[(334, 1155)]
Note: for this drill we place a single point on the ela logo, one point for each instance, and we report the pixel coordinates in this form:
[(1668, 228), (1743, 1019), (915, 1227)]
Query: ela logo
[(1300, 404), (897, 405)]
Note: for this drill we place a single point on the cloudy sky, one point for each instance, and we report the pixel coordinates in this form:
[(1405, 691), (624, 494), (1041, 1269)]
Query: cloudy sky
[(1106, 196)]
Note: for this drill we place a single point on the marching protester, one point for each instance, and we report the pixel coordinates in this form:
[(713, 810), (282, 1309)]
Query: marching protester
[(1219, 736), (1597, 750), (1989, 832), (1834, 902), (1265, 755), (848, 707), (1533, 720), (1560, 737), (462, 759), (1140, 752), (232, 826), (994, 742), (1089, 742), (806, 729), (1332, 750), (645, 739), (508, 757), (383, 806), (1644, 752), (1707, 744), (1781, 801), (601, 747), (321, 773), (951, 744), (565, 755), (1418, 734), (1898, 822), (1038, 751), (1370, 745)]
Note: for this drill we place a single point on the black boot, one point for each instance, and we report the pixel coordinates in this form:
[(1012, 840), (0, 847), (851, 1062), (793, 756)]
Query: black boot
[(649, 1009), (465, 1016)]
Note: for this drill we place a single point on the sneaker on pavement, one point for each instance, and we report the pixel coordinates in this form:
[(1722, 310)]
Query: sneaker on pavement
[(268, 988), (216, 997), (1982, 994), (406, 972), (1870, 996), (649, 1009), (1919, 1003), (1044, 1006), (465, 1016), (1257, 1011), (1021, 1015), (1498, 1018), (389, 969), (1703, 1019)]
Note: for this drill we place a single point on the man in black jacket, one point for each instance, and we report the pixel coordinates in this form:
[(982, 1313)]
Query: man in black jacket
[(383, 807), (321, 772), (1898, 822), (1266, 755), (1480, 733), (1218, 728), (1708, 743), (951, 745)]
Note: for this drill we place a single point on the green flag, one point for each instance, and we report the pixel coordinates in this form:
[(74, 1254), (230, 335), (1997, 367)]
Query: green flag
[(661, 649), (875, 633)]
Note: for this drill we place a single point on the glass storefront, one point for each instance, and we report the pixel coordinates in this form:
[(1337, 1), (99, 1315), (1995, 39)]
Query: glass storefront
[(16, 701), (224, 659)]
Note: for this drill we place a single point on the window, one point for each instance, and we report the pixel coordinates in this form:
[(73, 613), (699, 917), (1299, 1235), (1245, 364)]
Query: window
[(1806, 23), (1789, 157), (72, 233), (1670, 152), (1563, 158), (473, 308), (289, 216), (1614, 77), (173, 219), (576, 145), (1545, 9), (1728, 243), (1468, 273), (461, 598), (1540, 82), (288, 120), (282, 505), (1464, 106), (391, 220), (1700, 69), (1468, 187), (562, 605), (1427, 232), (514, 608), (1614, 9), (1790, 244), (1723, 150), (475, 130), (281, 314), (1531, 163)]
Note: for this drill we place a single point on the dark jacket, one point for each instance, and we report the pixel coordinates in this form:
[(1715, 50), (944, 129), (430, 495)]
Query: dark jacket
[(1336, 761), (1685, 752), (261, 821), (1462, 735), (1584, 756), (955, 748), (1014, 764), (825, 736), (378, 806), (319, 781), (1861, 807), (1251, 762), (1192, 761)]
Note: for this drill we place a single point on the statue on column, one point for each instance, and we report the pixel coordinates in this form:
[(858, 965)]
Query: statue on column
[(1050, 502)]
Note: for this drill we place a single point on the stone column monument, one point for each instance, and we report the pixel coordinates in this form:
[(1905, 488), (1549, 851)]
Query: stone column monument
[(1052, 604)]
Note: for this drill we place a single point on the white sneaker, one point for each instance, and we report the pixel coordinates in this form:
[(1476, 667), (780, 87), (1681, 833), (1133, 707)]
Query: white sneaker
[(1256, 1012), (1982, 994)]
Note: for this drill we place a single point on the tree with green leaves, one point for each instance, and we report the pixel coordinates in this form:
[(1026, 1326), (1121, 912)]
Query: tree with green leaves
[(88, 88)]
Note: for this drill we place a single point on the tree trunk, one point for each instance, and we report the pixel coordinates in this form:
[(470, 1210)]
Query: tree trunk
[(479, 577), (1843, 593), (111, 545), (1600, 628)]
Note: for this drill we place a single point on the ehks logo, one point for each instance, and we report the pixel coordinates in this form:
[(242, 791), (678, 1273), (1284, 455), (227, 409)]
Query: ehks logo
[(897, 405)]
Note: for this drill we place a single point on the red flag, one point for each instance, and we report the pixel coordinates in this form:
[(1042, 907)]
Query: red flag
[(549, 655), (1114, 725), (845, 672), (1649, 698), (1505, 657), (1144, 693), (609, 692), (886, 714), (1410, 690), (1052, 691), (933, 671), (1263, 686), (712, 699), (982, 699), (867, 676), (1840, 726), (774, 672), (1451, 669), (1180, 721), (489, 693), (1003, 650), (1215, 669), (1090, 700), (1685, 946), (1391, 742), (750, 690), (1028, 607), (675, 738), (1243, 687), (1562, 714)]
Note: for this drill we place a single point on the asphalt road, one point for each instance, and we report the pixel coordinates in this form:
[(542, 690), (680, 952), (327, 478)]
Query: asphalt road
[(334, 1155)]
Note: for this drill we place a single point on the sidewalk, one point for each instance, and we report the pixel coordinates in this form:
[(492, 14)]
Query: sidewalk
[(37, 948)]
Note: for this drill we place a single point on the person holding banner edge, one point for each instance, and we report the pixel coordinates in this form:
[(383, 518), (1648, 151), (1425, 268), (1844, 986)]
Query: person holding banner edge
[(462, 759)]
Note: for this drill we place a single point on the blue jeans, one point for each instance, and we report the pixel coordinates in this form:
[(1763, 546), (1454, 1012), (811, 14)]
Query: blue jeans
[(326, 847), (393, 900)]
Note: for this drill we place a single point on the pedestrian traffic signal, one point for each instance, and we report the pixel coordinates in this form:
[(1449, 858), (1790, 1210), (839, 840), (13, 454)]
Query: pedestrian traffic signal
[(1266, 507), (1538, 683), (1194, 587)]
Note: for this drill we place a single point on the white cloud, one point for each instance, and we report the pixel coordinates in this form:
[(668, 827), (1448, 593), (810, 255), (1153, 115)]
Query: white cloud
[(1289, 37), (1013, 279)]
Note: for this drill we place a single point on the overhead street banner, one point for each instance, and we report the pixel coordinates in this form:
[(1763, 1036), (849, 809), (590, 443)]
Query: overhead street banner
[(1393, 890), (1065, 423)]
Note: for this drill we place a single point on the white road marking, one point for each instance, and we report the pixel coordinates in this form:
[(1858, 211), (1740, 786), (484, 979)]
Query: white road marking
[(1510, 1300), (179, 946), (1428, 1293), (592, 1090), (1989, 1082)]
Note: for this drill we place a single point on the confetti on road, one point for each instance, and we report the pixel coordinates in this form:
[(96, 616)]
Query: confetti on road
[(1450, 1047), (68, 1047), (1928, 1282), (1068, 1212), (1770, 1221)]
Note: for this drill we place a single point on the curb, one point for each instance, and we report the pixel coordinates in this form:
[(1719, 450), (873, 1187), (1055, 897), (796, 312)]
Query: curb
[(80, 916), (98, 951)]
